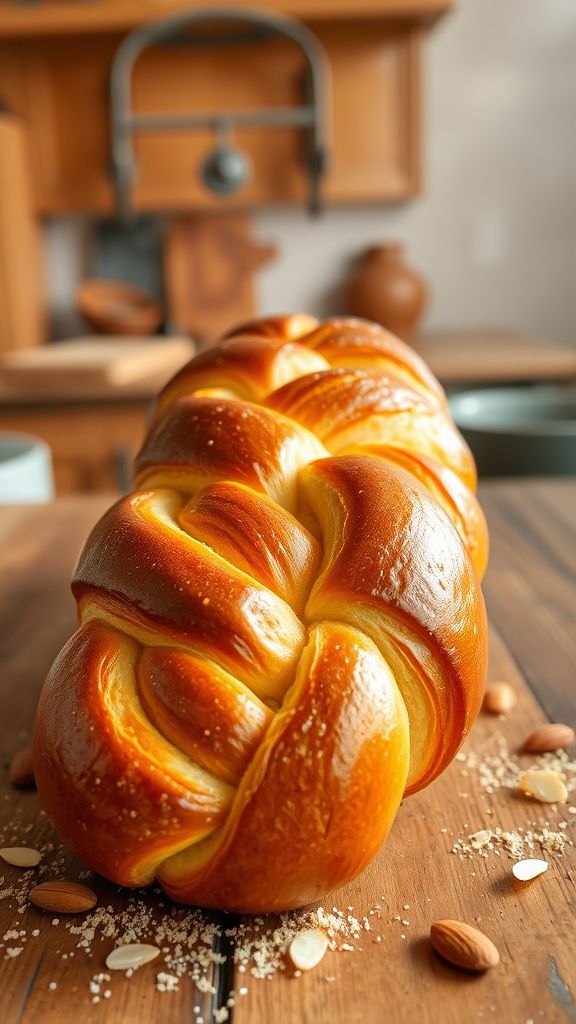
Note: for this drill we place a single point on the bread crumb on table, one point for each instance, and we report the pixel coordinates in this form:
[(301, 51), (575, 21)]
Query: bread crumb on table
[(191, 940)]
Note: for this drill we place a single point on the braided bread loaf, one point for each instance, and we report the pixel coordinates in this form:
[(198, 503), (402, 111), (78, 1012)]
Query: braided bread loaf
[(282, 630)]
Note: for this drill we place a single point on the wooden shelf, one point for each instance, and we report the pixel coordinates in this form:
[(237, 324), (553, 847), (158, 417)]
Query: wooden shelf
[(110, 15), (55, 62), (61, 92)]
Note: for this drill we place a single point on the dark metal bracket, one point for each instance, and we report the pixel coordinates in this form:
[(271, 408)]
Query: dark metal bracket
[(310, 116)]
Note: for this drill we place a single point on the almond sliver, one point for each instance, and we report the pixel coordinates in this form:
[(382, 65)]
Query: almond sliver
[(132, 955), (544, 785), (21, 856), (307, 948), (526, 870)]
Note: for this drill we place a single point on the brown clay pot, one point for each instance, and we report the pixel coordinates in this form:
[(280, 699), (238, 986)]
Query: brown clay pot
[(385, 290)]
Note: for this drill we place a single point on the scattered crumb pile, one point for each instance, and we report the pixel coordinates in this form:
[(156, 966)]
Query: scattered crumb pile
[(191, 942), (499, 769), (519, 843)]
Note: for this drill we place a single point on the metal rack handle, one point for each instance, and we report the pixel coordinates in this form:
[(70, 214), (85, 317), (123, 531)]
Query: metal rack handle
[(125, 123)]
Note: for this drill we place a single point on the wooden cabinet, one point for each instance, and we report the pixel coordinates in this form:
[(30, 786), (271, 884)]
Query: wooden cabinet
[(92, 443), (55, 61)]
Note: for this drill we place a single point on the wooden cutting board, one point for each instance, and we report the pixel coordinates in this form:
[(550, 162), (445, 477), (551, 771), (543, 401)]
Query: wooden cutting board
[(391, 974), (210, 263), (90, 364)]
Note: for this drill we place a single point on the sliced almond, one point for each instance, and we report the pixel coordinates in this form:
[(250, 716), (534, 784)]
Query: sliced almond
[(22, 770), (549, 737), (544, 785), (63, 897), (21, 856), (132, 955), (307, 948), (464, 946), (499, 698), (526, 870)]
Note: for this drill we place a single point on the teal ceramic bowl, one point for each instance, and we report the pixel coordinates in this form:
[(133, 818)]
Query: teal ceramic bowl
[(519, 431), (25, 470)]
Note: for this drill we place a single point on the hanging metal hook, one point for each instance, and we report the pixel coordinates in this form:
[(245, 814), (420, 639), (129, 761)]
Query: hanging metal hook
[(226, 169)]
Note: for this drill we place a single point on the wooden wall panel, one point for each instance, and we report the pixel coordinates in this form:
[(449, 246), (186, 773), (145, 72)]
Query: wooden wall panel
[(60, 84), (377, 122)]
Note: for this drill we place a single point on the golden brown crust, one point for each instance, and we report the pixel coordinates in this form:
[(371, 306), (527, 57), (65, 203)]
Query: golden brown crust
[(204, 440), (291, 327), (282, 628), (122, 796), (138, 566), (352, 342), (258, 536), (202, 710), (248, 367), (352, 407), (395, 567), (321, 793), (458, 501)]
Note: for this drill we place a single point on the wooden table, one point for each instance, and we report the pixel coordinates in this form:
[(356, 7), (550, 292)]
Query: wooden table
[(392, 974)]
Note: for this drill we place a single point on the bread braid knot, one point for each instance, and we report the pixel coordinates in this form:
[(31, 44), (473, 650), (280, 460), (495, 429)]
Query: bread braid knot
[(282, 630)]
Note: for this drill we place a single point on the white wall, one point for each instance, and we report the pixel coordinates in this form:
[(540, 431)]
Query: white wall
[(495, 230)]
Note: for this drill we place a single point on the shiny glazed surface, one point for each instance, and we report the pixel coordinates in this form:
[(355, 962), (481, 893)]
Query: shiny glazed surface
[(282, 630)]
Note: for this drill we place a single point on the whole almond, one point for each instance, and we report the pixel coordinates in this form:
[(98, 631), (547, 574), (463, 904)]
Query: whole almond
[(549, 737), (464, 946), (63, 896), (499, 698), (21, 769)]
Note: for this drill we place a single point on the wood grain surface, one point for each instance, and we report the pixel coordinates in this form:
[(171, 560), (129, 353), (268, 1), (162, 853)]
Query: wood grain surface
[(391, 974), (210, 265)]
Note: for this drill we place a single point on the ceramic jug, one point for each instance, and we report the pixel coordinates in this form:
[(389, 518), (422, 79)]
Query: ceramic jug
[(384, 289)]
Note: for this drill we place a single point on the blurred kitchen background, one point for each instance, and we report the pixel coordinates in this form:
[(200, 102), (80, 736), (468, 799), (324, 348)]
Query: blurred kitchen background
[(413, 161)]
